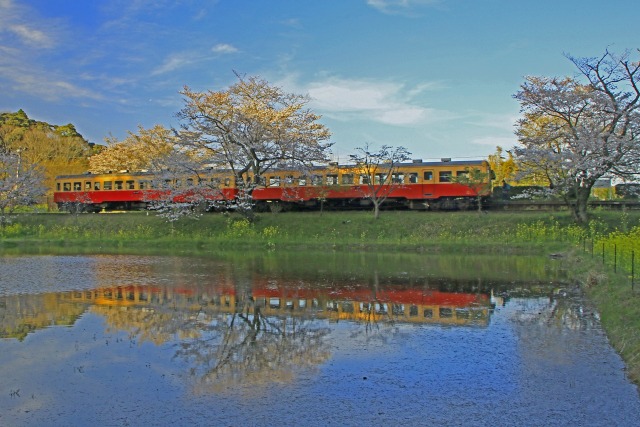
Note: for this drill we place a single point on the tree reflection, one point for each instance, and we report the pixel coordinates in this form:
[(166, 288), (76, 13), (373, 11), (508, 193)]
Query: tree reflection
[(246, 346)]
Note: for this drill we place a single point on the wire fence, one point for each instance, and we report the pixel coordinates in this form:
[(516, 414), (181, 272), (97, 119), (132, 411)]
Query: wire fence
[(621, 260)]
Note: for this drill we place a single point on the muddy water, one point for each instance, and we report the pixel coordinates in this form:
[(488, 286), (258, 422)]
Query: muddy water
[(303, 339)]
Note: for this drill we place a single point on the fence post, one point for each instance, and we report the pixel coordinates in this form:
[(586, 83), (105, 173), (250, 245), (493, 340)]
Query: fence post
[(632, 267)]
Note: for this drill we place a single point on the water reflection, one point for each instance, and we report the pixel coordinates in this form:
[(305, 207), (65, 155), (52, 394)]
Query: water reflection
[(233, 333), (375, 338)]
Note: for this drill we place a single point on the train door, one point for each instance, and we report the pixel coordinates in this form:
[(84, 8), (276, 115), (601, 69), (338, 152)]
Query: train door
[(427, 183)]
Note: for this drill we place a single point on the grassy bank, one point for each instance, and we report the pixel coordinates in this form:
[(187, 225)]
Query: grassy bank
[(602, 249), (417, 230)]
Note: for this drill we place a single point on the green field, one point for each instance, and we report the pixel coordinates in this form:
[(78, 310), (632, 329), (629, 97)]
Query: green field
[(341, 229)]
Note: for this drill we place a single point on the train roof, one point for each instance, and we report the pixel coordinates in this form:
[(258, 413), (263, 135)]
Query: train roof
[(414, 163)]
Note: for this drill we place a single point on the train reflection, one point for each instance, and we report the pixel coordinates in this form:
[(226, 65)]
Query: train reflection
[(23, 314), (354, 303)]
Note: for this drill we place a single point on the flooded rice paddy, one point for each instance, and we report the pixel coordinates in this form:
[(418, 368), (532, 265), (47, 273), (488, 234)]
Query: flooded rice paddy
[(303, 339)]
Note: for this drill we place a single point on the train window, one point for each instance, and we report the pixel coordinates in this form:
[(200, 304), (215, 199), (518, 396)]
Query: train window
[(178, 183), (87, 186), (316, 180), (108, 185), (227, 182), (397, 309), (413, 310), (398, 178), (274, 302), (288, 179), (446, 312), (130, 185), (189, 182), (118, 185), (347, 307), (413, 178), (332, 179), (96, 186), (380, 178), (428, 313), (347, 178), (215, 182), (66, 186), (365, 179), (381, 308), (445, 176), (142, 185), (462, 173), (428, 175), (302, 181), (274, 181), (462, 313), (77, 186)]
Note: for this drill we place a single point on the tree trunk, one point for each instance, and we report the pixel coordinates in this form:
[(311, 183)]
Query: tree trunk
[(579, 209), (376, 210)]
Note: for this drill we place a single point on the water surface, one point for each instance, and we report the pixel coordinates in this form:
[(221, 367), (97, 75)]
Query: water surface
[(303, 339)]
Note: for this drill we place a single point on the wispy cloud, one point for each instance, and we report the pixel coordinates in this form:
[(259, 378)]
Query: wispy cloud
[(44, 85), (24, 35), (181, 60), (174, 62), (224, 48), (19, 22), (32, 36), (383, 102), (401, 6)]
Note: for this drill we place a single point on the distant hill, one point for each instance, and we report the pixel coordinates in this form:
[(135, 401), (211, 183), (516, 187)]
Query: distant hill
[(58, 149)]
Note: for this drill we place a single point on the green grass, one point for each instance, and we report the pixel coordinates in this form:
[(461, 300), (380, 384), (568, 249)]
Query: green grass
[(420, 230)]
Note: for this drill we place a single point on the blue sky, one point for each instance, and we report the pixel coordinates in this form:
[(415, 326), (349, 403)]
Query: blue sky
[(435, 76)]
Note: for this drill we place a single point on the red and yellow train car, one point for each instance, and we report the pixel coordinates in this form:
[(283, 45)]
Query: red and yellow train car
[(415, 185)]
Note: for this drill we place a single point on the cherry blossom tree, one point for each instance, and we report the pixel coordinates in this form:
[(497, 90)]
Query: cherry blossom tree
[(575, 130), (19, 185), (249, 128), (379, 172), (144, 150)]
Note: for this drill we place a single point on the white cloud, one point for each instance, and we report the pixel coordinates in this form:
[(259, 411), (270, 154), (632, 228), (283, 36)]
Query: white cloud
[(19, 21), (400, 6), (383, 102), (173, 62), (45, 85), (223, 48), (184, 59), (32, 36)]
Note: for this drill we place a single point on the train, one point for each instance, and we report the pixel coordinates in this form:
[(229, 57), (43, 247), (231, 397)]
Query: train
[(416, 185)]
